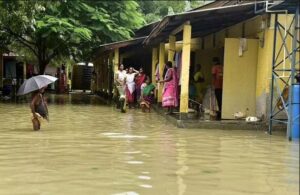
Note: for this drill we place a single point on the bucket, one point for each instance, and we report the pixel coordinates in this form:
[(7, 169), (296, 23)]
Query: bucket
[(296, 111)]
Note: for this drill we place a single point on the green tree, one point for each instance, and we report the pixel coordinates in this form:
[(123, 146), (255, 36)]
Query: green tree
[(59, 29)]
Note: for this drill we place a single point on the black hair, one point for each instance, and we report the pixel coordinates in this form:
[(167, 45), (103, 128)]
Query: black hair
[(216, 60), (169, 64)]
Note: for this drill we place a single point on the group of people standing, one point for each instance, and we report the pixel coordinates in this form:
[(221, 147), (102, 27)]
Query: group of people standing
[(209, 95), (133, 87)]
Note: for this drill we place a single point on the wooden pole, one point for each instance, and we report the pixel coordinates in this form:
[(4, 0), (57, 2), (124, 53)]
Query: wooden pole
[(116, 60), (161, 69), (154, 62)]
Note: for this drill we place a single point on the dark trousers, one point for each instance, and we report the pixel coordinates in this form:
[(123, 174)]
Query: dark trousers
[(218, 93)]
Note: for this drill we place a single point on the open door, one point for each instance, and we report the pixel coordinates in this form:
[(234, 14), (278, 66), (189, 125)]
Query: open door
[(239, 78)]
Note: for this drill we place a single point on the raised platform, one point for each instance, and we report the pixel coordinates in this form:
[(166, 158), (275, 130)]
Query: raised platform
[(195, 123)]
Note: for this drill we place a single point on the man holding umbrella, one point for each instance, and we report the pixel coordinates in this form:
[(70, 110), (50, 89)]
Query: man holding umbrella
[(38, 105), (39, 108)]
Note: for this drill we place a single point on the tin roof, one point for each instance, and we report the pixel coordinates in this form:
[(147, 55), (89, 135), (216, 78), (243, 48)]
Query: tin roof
[(120, 44), (204, 21)]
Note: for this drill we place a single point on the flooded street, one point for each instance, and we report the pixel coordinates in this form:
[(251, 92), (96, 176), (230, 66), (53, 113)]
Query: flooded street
[(90, 148)]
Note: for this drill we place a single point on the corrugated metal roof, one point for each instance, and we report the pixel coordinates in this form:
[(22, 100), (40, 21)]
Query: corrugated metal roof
[(203, 21), (288, 5), (120, 44), (145, 30)]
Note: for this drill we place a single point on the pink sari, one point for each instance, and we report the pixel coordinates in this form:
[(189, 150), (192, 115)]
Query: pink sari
[(169, 94)]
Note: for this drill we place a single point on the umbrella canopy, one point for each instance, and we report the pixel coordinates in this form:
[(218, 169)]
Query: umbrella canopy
[(35, 83)]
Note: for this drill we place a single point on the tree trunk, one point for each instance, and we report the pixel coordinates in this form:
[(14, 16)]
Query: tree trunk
[(42, 66)]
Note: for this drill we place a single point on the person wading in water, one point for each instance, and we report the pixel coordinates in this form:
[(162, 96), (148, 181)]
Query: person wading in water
[(39, 108)]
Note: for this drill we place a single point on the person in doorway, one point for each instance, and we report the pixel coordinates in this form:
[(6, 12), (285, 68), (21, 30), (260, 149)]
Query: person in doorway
[(130, 86), (169, 94), (119, 95), (217, 82), (139, 80), (199, 83), (39, 108), (57, 83), (147, 96), (62, 80)]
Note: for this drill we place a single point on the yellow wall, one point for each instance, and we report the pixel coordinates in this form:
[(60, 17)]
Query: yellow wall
[(239, 82), (264, 68), (204, 57)]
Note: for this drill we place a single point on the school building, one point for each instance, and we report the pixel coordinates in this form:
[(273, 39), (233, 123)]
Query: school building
[(257, 42)]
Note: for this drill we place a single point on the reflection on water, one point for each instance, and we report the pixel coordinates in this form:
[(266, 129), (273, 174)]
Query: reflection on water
[(90, 148)]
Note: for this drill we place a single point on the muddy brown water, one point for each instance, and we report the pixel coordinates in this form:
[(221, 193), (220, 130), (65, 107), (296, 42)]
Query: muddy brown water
[(90, 148)]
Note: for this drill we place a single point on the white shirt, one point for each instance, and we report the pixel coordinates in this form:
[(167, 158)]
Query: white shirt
[(130, 78), (121, 75)]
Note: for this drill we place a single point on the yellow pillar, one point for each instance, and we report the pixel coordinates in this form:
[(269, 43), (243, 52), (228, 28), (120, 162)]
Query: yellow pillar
[(161, 69), (172, 48), (111, 66), (98, 73), (185, 70), (154, 62), (1, 69), (101, 72), (116, 59)]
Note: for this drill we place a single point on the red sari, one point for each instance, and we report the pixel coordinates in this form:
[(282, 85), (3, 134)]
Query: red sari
[(139, 80)]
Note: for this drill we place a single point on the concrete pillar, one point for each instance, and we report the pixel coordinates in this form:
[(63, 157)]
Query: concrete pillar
[(111, 68), (101, 72), (105, 73), (154, 62), (172, 48), (1, 69), (161, 69), (98, 73), (185, 70), (116, 59)]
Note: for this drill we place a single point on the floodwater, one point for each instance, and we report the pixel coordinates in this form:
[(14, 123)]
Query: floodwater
[(90, 148)]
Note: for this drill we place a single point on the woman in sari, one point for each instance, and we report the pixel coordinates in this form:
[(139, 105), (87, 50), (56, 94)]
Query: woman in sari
[(130, 86), (119, 91), (147, 96), (139, 80), (169, 94)]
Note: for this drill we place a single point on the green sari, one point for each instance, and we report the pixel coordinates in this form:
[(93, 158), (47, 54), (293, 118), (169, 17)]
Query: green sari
[(147, 90)]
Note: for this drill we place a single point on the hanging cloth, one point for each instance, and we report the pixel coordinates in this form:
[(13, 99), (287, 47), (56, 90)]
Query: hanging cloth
[(178, 68)]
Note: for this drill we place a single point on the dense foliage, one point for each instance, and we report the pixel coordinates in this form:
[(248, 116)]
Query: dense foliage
[(66, 28), (49, 31)]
